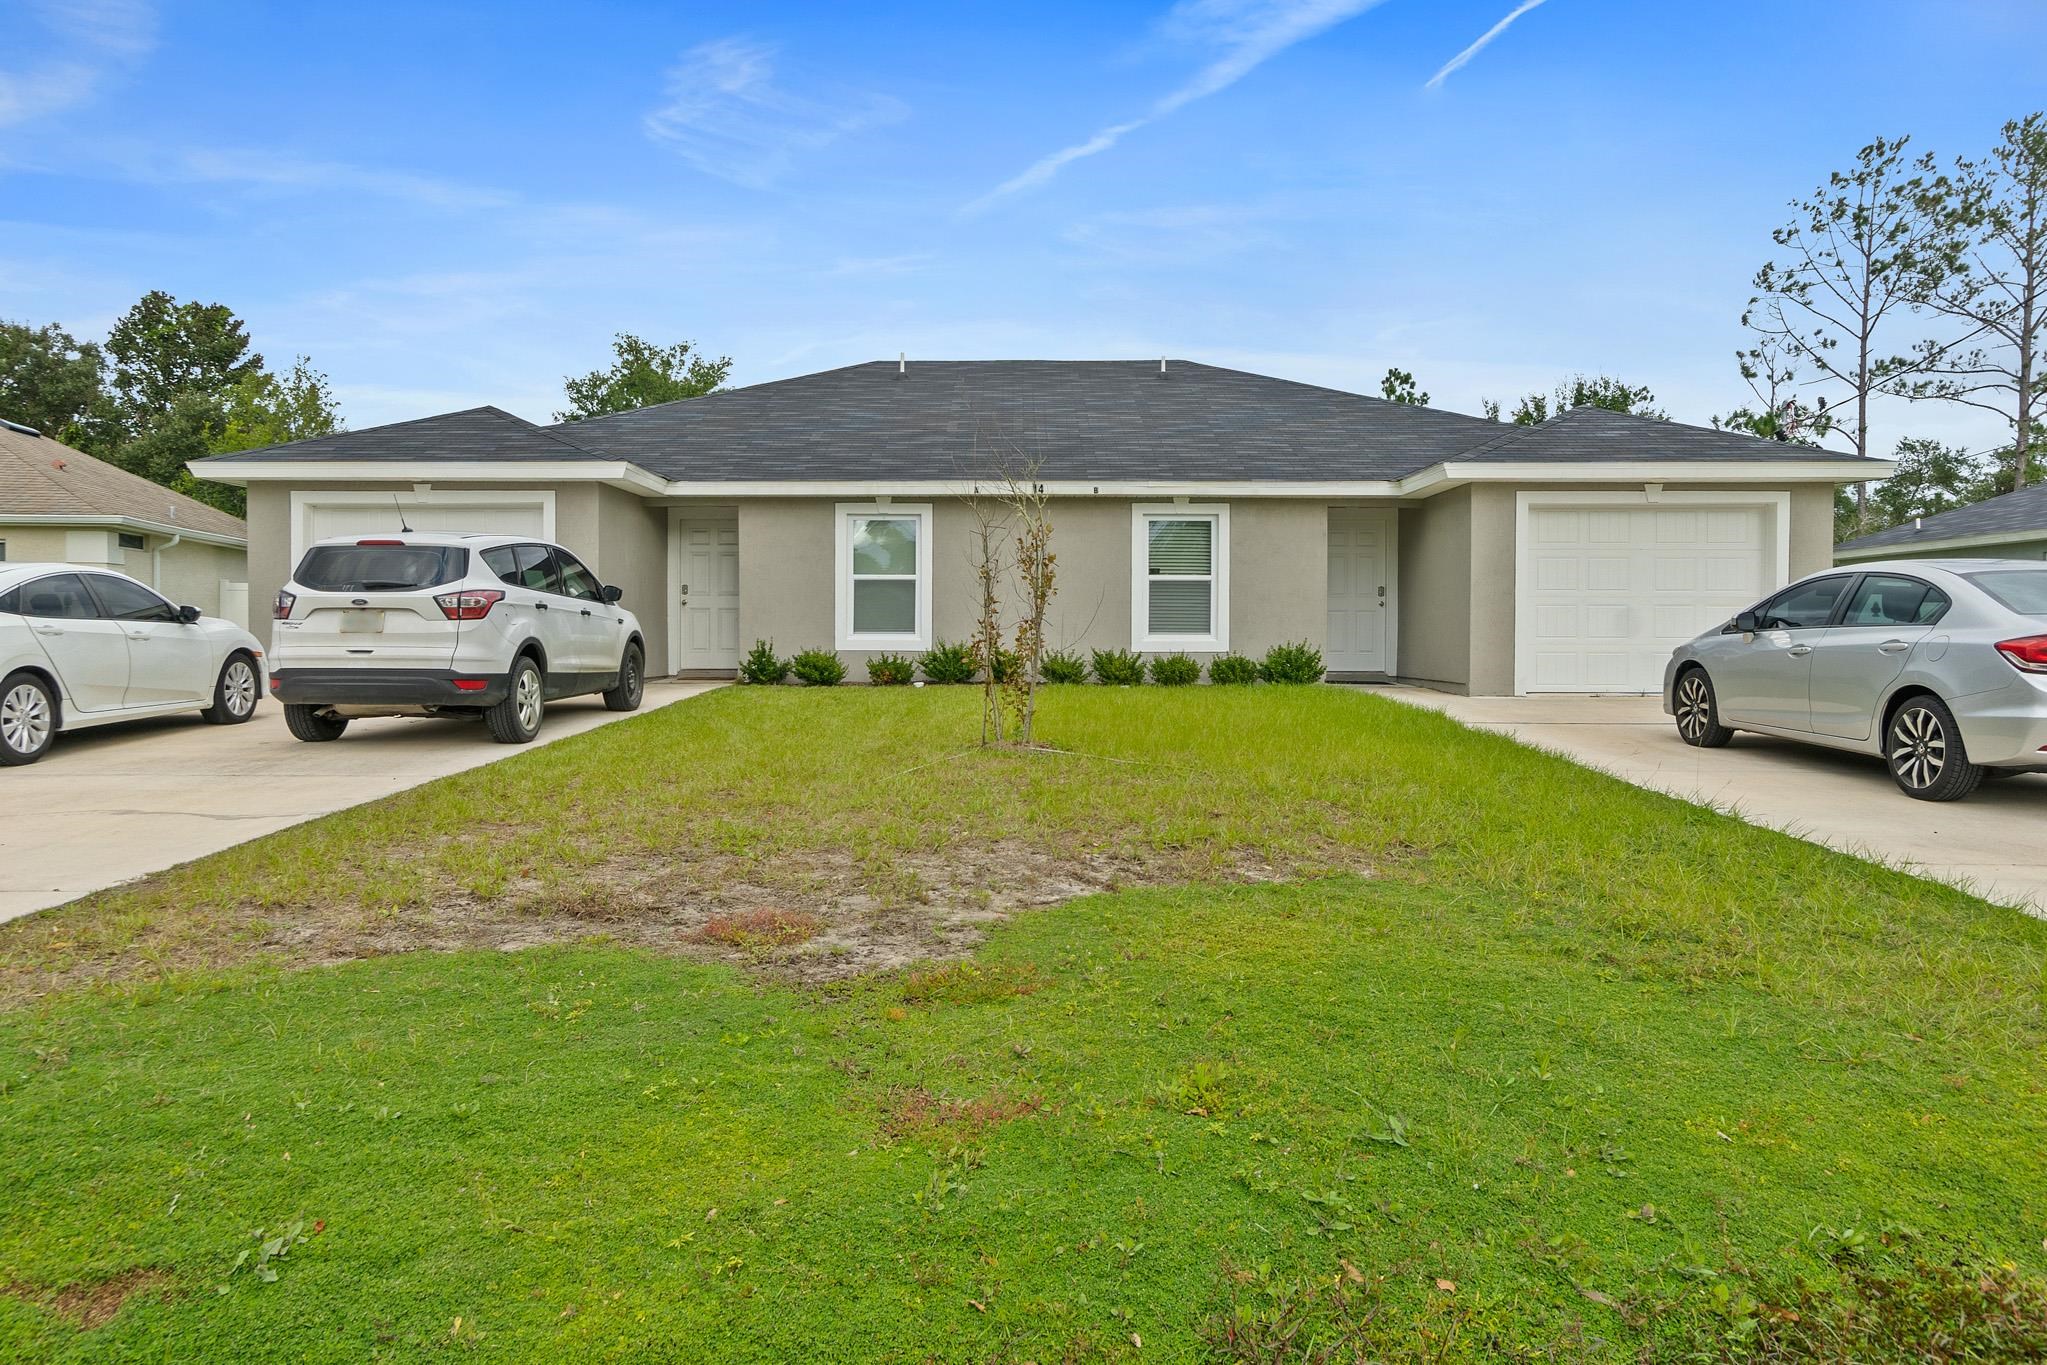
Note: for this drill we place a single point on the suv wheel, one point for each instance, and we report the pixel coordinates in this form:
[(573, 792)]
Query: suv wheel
[(632, 682), (1924, 748), (28, 719), (313, 724), (516, 719), (1698, 714), (234, 693)]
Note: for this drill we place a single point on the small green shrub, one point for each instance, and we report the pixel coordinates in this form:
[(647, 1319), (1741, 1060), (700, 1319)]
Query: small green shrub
[(1062, 666), (1175, 670), (818, 668), (944, 663), (890, 670), (762, 665), (1299, 662), (1118, 668), (1232, 670), (1005, 664)]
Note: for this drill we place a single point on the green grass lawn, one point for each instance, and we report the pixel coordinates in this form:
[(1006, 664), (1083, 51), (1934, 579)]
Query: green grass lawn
[(1395, 1041)]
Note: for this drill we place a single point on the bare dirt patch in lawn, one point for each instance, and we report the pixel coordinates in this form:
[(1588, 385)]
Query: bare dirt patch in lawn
[(92, 1303), (810, 915)]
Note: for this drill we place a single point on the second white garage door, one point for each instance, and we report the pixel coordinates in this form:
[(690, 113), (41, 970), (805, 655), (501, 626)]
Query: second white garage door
[(1606, 591)]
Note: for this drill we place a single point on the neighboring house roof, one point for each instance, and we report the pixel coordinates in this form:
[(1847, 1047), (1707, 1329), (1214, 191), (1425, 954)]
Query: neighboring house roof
[(46, 480), (1077, 421), (484, 433), (2011, 516), (1601, 434)]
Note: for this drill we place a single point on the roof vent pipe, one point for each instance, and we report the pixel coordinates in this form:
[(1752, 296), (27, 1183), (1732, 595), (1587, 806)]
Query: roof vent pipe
[(902, 364), (1162, 367), (1918, 523)]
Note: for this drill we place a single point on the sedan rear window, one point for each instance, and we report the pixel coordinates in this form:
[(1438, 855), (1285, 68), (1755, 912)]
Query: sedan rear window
[(2023, 590), (380, 568)]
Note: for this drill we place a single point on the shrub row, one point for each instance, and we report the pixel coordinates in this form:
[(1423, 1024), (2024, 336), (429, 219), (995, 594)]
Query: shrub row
[(961, 663)]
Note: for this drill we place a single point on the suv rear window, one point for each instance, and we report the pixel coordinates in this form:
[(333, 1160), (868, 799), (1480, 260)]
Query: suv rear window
[(2023, 590), (380, 568)]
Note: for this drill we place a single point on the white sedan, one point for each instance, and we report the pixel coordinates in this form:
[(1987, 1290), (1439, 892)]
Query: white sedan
[(82, 647)]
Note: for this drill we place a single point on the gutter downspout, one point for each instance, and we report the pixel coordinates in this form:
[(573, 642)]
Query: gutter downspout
[(156, 560)]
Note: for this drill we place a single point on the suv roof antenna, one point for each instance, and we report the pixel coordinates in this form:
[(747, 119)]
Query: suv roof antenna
[(402, 527)]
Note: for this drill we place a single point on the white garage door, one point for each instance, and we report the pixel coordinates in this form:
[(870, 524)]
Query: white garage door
[(1606, 592), (361, 514)]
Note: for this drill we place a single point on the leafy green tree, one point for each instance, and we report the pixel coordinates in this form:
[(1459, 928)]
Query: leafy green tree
[(50, 380), (1399, 387), (1776, 414), (265, 409), (1990, 280), (1932, 477), (162, 349), (1579, 391), (641, 375)]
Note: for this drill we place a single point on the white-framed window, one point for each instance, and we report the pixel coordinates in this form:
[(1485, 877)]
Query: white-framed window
[(1180, 577), (881, 575)]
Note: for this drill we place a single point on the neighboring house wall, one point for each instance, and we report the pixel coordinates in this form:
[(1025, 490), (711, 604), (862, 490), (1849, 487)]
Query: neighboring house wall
[(192, 570), (1278, 573)]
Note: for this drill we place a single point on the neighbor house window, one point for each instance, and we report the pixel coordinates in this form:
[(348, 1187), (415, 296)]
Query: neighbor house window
[(131, 542), (1179, 578), (882, 582)]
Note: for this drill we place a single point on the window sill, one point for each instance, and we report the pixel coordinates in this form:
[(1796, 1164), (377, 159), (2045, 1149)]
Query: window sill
[(884, 642), (1180, 644)]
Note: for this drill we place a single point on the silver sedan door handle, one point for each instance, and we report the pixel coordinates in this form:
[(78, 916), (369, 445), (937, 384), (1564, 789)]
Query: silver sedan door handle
[(1799, 651), (49, 630), (1894, 646)]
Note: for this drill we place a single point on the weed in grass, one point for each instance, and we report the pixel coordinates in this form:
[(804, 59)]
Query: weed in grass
[(90, 1304), (914, 1114), (761, 930), (972, 983)]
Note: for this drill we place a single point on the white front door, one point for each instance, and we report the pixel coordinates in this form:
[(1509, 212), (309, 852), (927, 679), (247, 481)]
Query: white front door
[(1358, 590), (705, 561)]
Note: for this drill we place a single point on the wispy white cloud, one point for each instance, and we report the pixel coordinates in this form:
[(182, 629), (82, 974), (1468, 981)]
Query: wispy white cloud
[(1457, 62), (1243, 34), (82, 43), (284, 171), (725, 114)]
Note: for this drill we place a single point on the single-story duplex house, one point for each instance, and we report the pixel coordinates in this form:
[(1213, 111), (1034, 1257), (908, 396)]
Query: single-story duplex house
[(1195, 509), (62, 505), (2012, 526)]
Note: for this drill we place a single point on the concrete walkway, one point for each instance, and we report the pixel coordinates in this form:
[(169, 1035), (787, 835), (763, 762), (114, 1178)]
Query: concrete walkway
[(1994, 842), (112, 804)]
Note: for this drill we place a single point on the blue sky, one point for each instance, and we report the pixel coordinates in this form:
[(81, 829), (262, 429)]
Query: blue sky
[(450, 205)]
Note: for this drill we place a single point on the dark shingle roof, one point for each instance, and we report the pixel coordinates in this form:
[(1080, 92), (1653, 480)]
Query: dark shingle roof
[(472, 434), (1107, 420), (1600, 434), (2019, 514), (1080, 420)]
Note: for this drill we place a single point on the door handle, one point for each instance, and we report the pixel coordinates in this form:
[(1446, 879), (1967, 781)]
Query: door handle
[(1799, 651), (540, 606), (1894, 646), (586, 611), (49, 630)]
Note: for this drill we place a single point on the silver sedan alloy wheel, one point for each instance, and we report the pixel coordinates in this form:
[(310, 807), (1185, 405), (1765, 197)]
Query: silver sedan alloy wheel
[(1918, 748), (239, 688), (1694, 707), (25, 719)]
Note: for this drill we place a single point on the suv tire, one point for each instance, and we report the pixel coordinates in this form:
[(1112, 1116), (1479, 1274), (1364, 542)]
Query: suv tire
[(235, 692), (516, 719), (313, 724), (1923, 746), (632, 682), (28, 719)]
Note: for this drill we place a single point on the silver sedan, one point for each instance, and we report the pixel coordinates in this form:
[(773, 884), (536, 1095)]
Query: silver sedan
[(1937, 666)]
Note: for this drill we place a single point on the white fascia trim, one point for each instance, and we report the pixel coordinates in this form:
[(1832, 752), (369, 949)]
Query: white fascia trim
[(1140, 579), (1918, 549), (618, 473), (842, 576), (1452, 472), (1779, 504), (154, 528)]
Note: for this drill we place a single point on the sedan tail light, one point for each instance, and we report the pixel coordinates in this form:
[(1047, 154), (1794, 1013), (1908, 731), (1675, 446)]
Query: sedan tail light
[(470, 604), (280, 610), (2027, 654)]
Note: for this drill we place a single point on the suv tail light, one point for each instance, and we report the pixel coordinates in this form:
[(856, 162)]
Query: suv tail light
[(280, 610), (470, 604), (2027, 654)]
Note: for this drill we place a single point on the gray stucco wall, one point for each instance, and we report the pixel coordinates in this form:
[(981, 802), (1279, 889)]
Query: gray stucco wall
[(630, 552), (1278, 574), (1435, 591)]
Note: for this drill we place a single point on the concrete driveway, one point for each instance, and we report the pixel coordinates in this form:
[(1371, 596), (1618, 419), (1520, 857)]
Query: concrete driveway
[(1992, 843), (115, 803)]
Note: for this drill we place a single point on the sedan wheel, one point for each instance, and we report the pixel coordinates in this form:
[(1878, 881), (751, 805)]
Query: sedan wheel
[(1925, 750), (234, 693), (1698, 715), (28, 719)]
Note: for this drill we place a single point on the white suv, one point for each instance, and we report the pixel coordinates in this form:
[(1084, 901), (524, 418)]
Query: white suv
[(433, 624)]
